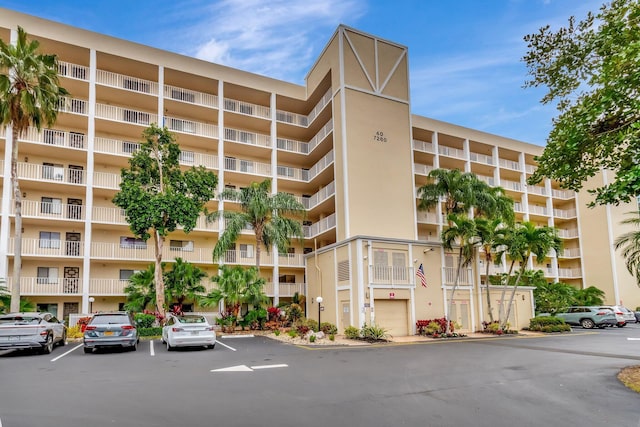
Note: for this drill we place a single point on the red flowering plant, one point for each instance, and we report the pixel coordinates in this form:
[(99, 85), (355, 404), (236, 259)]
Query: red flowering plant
[(274, 313), (436, 328)]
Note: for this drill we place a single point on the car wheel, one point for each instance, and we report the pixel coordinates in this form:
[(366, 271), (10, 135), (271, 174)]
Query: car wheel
[(169, 348), (587, 323), (134, 347), (621, 325), (47, 348), (211, 346), (63, 341), (87, 350)]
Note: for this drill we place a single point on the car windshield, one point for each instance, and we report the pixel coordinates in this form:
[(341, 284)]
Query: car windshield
[(20, 320), (110, 319), (192, 319)]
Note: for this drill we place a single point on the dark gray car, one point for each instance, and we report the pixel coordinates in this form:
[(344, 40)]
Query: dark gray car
[(113, 329)]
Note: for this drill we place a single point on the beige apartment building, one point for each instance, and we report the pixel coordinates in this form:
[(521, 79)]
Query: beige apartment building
[(345, 143)]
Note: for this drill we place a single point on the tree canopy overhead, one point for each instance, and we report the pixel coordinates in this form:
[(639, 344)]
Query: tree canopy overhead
[(592, 71)]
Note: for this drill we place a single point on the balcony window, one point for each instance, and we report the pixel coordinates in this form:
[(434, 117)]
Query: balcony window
[(130, 147), (54, 137), (132, 116), (181, 245), (132, 243), (137, 85), (49, 240), (182, 95), (126, 274), (246, 251), (50, 205), (76, 140), (287, 278), (52, 171), (47, 275)]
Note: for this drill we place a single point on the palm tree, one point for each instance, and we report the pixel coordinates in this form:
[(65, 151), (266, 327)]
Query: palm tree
[(184, 281), (29, 96), (489, 232), (273, 218), (588, 296), (630, 245), (528, 240), (141, 290), (236, 286), (461, 234)]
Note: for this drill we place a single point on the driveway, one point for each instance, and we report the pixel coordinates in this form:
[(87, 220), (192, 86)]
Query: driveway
[(559, 380)]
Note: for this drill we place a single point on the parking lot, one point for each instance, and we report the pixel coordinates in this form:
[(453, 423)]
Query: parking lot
[(557, 380)]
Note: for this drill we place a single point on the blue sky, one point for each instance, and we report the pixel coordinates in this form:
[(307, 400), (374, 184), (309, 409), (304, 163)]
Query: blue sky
[(464, 56)]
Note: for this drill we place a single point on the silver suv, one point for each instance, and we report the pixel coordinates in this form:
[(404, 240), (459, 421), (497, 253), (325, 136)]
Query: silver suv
[(113, 329)]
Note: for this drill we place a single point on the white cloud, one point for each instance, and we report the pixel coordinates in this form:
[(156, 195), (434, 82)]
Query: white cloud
[(278, 38)]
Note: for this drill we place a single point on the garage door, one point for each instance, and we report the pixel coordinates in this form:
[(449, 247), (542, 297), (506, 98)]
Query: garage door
[(392, 316)]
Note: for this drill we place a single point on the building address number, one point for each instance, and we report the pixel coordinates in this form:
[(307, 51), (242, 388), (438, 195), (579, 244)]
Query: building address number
[(380, 137)]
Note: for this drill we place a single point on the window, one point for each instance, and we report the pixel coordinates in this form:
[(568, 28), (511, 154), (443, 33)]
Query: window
[(307, 250), (290, 253), (130, 147), (52, 171), (182, 95), (132, 243), (287, 278), (49, 240), (50, 205), (136, 84), (47, 275), (54, 137), (246, 251), (132, 116), (126, 274), (181, 245), (76, 140)]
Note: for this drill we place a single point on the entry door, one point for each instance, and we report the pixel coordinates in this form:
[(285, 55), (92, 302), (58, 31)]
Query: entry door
[(74, 208), (71, 280), (73, 244), (70, 308), (346, 315), (76, 174), (460, 313)]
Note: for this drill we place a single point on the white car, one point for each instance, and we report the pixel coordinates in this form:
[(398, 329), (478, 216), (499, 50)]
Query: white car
[(623, 314), (189, 330)]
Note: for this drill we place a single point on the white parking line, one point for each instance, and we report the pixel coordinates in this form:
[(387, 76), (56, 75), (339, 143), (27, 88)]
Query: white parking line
[(63, 355), (633, 339), (282, 365), (151, 350), (230, 348)]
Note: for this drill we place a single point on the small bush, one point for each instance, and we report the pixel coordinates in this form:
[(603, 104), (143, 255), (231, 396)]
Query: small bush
[(328, 328), (374, 333), (302, 329), (312, 338), (276, 332), (292, 333), (294, 313), (538, 322), (556, 328), (75, 332), (434, 326), (312, 324), (150, 332), (144, 320), (352, 333), (332, 337)]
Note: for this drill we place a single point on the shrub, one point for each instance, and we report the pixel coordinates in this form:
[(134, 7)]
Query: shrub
[(254, 319), (374, 333), (328, 328), (312, 324), (75, 331), (548, 324), (332, 337), (434, 326), (276, 332), (294, 313), (274, 313), (292, 333), (312, 338), (352, 333), (302, 329), (150, 332), (144, 320)]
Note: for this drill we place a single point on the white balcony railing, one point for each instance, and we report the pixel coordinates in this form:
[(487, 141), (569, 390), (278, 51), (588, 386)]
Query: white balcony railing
[(54, 173), (536, 189), (98, 287), (125, 115), (321, 135), (56, 137), (564, 213), (569, 272), (247, 108), (451, 152), (509, 164), (511, 185), (488, 179), (568, 233), (247, 166), (134, 84), (563, 194), (107, 180), (391, 275), (190, 96), (570, 253), (423, 169), (285, 289), (465, 279), (50, 210), (424, 146), (301, 119), (427, 217), (73, 71), (49, 247), (320, 227), (321, 165), (319, 197), (71, 105), (246, 137), (481, 158), (48, 286), (538, 210), (191, 127)]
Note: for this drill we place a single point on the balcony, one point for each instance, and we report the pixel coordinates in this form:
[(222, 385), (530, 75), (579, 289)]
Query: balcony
[(488, 179), (73, 106), (49, 248), (570, 272), (107, 287), (107, 180), (510, 164), (125, 115), (285, 289), (55, 137), (246, 137), (565, 213), (391, 276), (449, 276), (247, 108), (35, 286), (191, 127), (422, 169), (427, 217), (536, 189), (190, 96), (538, 210), (423, 146), (563, 194), (319, 227), (300, 119), (570, 253), (568, 233), (322, 195), (305, 175), (481, 158), (451, 152), (50, 210), (511, 185), (247, 166), (54, 173), (321, 135), (73, 71), (116, 251), (121, 81), (116, 216)]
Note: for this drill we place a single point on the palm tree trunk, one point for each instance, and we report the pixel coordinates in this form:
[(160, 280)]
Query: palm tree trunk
[(489, 309), (17, 241), (453, 291), (503, 294), (158, 276), (513, 294), (258, 239)]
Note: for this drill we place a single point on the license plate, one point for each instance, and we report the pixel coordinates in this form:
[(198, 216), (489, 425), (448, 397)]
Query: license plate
[(14, 338), (108, 333), (194, 332)]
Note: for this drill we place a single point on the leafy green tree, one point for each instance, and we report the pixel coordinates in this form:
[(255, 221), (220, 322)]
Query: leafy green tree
[(553, 297), (274, 218), (588, 296), (184, 281), (460, 235), (141, 289), (524, 241), (236, 285), (158, 196), (592, 72), (30, 95), (630, 245), (489, 233)]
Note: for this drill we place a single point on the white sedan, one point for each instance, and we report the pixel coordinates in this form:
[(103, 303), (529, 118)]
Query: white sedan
[(189, 330)]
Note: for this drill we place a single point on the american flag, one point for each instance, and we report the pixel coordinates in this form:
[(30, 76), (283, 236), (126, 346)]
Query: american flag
[(420, 274)]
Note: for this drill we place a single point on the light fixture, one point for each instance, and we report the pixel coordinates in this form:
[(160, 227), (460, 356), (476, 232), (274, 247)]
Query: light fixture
[(415, 260), (427, 250), (319, 301)]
